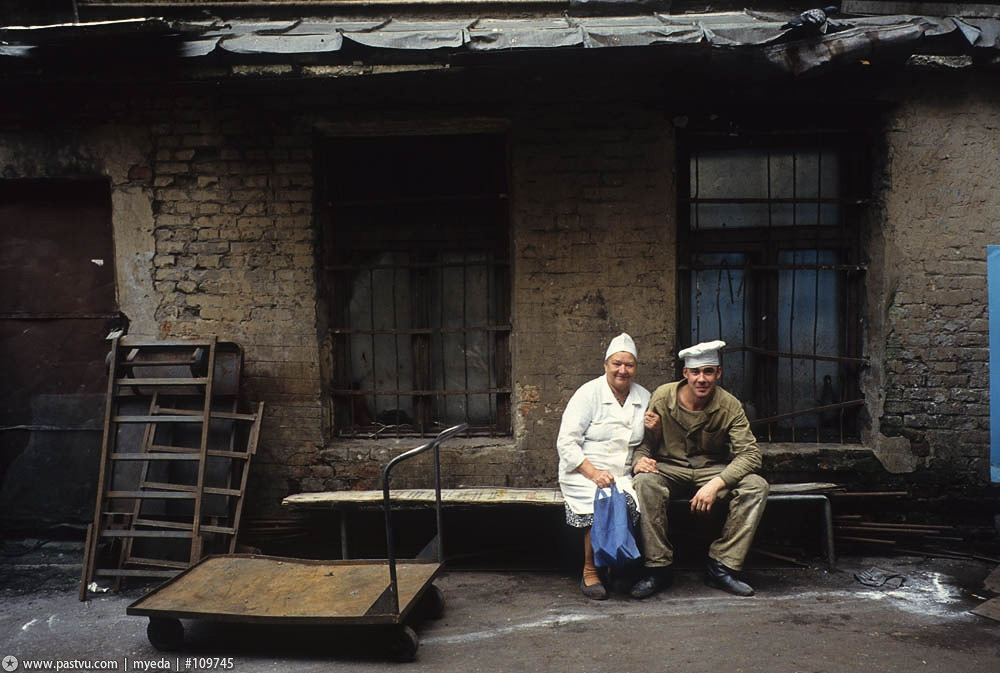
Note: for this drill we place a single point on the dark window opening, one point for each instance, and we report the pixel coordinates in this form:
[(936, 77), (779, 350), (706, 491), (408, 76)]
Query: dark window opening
[(416, 272), (772, 264)]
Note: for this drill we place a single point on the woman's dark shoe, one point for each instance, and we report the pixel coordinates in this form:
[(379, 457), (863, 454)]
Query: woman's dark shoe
[(595, 592), (656, 579), (721, 577)]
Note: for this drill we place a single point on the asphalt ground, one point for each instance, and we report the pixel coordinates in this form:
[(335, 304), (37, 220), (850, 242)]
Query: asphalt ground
[(803, 619)]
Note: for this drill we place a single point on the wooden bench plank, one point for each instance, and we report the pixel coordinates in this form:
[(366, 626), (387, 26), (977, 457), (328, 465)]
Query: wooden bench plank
[(483, 496), (409, 498)]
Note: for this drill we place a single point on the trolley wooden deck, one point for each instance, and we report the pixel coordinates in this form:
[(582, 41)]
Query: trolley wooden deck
[(259, 589)]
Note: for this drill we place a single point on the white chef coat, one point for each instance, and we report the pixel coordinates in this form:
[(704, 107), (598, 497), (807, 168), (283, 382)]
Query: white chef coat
[(594, 426)]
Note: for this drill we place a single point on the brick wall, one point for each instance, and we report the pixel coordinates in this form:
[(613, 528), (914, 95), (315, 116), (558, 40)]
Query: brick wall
[(213, 208), (234, 257), (593, 256), (941, 205)]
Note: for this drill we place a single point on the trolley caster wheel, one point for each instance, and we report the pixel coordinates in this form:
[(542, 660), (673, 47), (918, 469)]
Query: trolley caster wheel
[(166, 635), (432, 603), (403, 643)]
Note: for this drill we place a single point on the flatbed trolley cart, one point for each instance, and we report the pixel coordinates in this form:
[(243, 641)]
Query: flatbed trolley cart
[(255, 589)]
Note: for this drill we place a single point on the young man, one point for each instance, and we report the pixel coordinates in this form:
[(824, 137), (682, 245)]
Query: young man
[(706, 452)]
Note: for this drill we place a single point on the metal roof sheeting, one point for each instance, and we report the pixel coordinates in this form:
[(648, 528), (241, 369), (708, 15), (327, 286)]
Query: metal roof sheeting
[(784, 48)]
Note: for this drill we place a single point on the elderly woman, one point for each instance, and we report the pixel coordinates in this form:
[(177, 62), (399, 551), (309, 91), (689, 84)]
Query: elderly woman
[(603, 421)]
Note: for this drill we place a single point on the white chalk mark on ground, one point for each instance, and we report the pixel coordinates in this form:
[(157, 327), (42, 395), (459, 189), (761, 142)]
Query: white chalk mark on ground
[(548, 622), (928, 595)]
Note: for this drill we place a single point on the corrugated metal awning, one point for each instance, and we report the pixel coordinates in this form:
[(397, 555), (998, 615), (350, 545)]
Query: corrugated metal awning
[(846, 38)]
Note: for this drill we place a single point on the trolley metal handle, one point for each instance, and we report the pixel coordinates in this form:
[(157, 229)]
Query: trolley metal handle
[(387, 502)]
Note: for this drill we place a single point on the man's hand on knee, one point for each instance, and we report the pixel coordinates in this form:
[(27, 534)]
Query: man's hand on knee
[(705, 497)]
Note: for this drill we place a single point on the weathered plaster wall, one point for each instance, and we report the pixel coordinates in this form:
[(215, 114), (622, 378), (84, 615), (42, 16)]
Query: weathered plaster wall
[(941, 209), (594, 225)]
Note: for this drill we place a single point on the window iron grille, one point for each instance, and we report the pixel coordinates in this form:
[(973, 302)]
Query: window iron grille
[(416, 278), (772, 240)]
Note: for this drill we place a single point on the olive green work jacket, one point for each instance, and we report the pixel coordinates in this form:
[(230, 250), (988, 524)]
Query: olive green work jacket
[(720, 437)]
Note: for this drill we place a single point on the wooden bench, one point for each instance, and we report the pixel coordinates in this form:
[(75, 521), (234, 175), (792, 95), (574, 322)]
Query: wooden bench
[(345, 502)]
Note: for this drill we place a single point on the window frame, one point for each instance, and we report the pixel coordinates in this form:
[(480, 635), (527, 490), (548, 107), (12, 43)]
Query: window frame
[(394, 228), (762, 247)]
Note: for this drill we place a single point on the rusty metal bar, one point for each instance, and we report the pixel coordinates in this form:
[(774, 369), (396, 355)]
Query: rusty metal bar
[(421, 342), (761, 201), (491, 341), (395, 341), (815, 337), (806, 412), (776, 267), (24, 315), (902, 526), (443, 413), (800, 356), (791, 316), (434, 198), (391, 393), (49, 428), (371, 317), (403, 265), (465, 335), (870, 494)]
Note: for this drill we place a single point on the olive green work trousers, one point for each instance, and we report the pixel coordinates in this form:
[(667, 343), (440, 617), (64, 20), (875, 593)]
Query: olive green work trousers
[(746, 501)]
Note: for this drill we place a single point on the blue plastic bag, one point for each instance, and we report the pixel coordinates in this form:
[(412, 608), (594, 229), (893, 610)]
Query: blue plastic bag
[(611, 535)]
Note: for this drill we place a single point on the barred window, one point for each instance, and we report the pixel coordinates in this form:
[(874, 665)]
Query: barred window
[(417, 282), (772, 264)]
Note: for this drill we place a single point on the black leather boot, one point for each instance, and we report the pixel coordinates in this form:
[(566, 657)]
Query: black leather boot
[(721, 577), (655, 579)]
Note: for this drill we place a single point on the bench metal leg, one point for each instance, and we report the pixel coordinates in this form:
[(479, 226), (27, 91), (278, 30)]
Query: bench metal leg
[(831, 560), (343, 535), (827, 519)]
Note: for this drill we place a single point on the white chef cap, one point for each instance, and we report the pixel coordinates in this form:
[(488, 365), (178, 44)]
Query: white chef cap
[(705, 354), (621, 344)]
